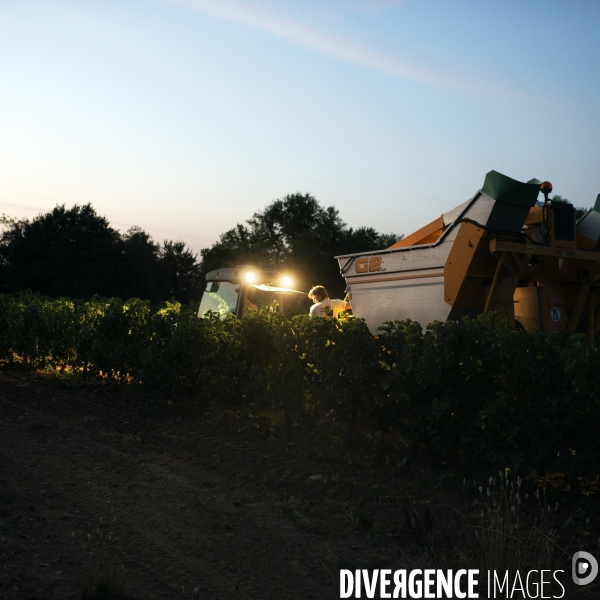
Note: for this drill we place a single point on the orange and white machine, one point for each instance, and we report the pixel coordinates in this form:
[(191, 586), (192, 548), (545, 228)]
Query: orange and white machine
[(501, 250)]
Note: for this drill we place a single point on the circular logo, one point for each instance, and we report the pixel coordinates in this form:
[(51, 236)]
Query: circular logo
[(555, 314), (584, 568)]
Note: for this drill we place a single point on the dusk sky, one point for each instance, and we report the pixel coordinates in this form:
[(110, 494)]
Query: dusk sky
[(186, 116)]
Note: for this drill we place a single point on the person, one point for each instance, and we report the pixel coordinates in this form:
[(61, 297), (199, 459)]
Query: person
[(321, 299)]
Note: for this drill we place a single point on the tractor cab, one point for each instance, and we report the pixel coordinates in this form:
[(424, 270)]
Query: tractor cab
[(237, 290)]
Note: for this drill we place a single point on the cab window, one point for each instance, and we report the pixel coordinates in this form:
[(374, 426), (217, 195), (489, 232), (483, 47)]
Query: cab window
[(220, 297)]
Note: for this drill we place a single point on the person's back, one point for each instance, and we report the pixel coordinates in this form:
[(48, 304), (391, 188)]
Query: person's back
[(336, 306), (322, 301)]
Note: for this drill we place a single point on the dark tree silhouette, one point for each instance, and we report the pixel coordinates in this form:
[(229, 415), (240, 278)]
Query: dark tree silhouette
[(74, 252), (181, 271), (70, 252), (295, 234), (138, 270)]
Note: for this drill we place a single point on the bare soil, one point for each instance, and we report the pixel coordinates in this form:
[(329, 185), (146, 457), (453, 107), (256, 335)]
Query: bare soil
[(168, 506), (96, 488)]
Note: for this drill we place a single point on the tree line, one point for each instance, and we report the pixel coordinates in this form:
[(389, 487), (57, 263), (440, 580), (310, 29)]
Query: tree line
[(297, 235), (74, 252)]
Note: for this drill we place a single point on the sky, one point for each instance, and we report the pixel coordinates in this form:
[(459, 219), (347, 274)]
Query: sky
[(184, 117)]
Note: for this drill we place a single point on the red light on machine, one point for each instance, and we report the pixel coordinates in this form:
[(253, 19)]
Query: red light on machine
[(545, 188)]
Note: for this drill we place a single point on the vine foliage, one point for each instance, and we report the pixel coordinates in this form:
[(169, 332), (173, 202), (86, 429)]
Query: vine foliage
[(507, 398)]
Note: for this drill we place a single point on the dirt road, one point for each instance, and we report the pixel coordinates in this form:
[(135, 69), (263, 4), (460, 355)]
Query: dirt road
[(171, 507)]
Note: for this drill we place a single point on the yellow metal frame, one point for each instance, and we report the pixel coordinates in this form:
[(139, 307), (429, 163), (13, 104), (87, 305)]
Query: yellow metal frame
[(507, 252)]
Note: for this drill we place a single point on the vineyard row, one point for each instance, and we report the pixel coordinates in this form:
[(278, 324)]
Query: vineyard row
[(506, 398)]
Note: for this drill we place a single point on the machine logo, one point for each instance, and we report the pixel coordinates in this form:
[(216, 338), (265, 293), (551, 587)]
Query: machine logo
[(366, 265), (584, 568)]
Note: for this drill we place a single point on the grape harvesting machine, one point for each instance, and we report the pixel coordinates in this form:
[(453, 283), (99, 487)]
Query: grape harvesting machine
[(501, 250)]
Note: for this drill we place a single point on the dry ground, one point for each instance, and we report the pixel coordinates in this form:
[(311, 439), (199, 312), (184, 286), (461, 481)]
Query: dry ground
[(88, 488), (95, 489)]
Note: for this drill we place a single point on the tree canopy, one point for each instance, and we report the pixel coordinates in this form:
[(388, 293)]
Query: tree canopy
[(74, 252), (297, 235)]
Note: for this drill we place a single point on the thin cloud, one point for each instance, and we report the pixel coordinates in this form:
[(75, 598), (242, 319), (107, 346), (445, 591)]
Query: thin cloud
[(24, 206), (317, 41)]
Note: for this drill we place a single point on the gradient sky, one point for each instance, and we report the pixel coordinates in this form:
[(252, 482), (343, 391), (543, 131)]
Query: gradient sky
[(186, 116)]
